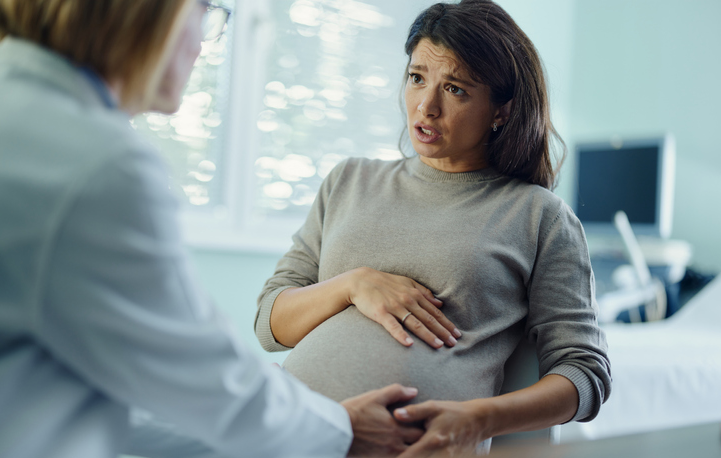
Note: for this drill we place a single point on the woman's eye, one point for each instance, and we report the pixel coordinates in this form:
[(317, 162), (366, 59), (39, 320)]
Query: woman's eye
[(416, 78), (456, 90)]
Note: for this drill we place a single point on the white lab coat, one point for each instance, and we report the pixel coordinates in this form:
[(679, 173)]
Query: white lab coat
[(99, 310)]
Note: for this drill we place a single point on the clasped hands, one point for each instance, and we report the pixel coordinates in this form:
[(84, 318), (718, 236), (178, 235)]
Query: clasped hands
[(452, 429)]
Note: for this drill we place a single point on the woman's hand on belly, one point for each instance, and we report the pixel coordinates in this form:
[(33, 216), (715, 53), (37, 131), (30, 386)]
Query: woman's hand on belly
[(394, 301)]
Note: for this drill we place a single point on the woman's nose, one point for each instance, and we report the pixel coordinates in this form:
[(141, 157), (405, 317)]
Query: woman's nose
[(429, 106)]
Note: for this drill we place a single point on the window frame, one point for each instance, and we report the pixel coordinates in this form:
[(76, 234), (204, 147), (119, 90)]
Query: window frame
[(229, 224)]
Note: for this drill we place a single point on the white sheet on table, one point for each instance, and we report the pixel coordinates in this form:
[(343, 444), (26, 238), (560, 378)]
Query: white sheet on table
[(665, 374)]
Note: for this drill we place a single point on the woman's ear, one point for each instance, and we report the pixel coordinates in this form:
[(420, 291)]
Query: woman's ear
[(503, 113)]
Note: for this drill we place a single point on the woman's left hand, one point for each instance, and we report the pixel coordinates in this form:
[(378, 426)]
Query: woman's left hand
[(457, 428), (452, 428)]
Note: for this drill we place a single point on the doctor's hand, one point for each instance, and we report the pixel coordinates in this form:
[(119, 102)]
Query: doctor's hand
[(453, 429), (394, 301), (375, 432)]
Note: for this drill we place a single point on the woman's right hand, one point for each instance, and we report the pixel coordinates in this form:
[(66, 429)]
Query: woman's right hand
[(394, 301)]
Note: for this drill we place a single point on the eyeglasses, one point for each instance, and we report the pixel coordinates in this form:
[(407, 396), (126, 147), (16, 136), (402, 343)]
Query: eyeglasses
[(215, 20)]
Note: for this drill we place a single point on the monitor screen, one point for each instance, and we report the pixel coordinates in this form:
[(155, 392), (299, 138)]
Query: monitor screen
[(632, 176)]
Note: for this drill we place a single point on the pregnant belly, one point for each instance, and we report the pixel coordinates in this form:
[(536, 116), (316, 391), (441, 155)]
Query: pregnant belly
[(349, 354)]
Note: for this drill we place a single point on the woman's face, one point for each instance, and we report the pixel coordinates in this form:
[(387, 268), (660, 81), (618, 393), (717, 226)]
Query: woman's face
[(177, 72), (450, 116)]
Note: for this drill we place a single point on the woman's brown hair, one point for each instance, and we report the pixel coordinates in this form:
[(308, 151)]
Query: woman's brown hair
[(498, 54), (119, 39)]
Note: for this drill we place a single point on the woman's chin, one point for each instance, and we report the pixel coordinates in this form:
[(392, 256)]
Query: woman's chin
[(425, 150)]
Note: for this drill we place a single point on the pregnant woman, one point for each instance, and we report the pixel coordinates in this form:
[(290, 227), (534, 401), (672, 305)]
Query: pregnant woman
[(462, 245)]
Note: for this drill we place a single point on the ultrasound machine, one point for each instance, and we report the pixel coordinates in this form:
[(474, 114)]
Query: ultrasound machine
[(624, 199)]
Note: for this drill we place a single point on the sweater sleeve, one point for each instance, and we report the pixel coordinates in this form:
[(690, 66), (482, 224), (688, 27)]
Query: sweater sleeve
[(299, 266), (562, 319)]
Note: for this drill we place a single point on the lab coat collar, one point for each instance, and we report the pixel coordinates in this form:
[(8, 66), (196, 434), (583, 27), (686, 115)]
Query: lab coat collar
[(37, 62)]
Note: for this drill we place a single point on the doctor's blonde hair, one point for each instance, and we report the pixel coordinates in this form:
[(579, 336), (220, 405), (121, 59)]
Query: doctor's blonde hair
[(122, 40)]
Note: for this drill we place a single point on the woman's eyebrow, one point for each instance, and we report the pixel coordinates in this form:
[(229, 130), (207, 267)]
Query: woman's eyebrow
[(449, 76), (458, 79)]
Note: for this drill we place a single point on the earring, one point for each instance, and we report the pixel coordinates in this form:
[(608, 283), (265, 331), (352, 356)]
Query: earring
[(495, 127)]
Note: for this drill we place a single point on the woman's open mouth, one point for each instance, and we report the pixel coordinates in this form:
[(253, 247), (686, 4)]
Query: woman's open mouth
[(426, 134)]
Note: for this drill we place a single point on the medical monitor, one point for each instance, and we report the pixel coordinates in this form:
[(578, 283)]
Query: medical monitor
[(636, 176)]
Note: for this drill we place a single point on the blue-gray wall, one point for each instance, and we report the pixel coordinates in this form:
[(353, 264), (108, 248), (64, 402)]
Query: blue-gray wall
[(644, 67), (234, 281)]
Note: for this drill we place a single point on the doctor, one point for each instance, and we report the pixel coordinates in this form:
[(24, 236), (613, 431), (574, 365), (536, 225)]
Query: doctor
[(98, 307)]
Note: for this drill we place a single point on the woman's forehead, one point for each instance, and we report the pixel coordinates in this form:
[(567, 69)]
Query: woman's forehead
[(428, 56)]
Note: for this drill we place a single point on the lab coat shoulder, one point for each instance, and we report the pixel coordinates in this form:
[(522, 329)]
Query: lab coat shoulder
[(104, 289), (123, 309)]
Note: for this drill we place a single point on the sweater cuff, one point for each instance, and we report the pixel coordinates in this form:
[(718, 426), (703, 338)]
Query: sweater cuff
[(583, 385), (262, 322)]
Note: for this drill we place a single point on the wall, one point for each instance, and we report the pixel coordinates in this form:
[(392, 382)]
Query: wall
[(234, 281), (645, 67)]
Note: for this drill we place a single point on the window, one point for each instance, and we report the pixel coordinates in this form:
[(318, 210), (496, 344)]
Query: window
[(192, 139), (292, 88)]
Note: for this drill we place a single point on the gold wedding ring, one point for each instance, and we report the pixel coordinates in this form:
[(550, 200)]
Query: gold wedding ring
[(404, 318)]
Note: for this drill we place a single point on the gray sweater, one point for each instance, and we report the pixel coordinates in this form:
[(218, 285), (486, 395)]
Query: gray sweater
[(508, 259)]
